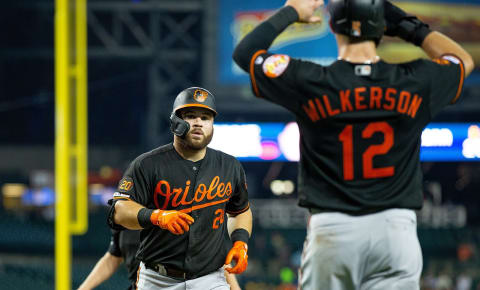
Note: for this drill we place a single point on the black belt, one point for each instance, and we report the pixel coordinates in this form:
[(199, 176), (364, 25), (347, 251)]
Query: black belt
[(170, 272)]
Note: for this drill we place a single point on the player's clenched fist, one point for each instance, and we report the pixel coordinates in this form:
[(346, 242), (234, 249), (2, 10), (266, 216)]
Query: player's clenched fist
[(238, 253), (306, 9), (174, 221)]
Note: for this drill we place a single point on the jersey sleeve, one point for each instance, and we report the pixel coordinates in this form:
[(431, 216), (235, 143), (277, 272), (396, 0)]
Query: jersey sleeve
[(445, 77), (279, 78), (114, 247), (135, 184), (238, 203)]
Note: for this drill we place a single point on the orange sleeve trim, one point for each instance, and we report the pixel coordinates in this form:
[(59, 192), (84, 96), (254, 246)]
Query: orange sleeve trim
[(462, 76), (138, 277), (460, 85), (122, 198), (240, 211), (252, 71)]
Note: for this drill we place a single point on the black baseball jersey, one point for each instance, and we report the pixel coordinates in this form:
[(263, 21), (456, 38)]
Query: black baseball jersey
[(124, 243), (206, 190), (360, 125)]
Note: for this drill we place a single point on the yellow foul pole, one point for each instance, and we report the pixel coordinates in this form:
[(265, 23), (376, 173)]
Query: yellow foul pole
[(62, 154), (70, 133), (79, 72)]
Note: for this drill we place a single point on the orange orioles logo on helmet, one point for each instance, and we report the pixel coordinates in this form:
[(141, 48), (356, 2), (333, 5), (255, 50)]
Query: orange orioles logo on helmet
[(356, 28), (200, 95)]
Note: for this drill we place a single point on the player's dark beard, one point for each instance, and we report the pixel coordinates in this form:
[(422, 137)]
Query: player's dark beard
[(189, 145)]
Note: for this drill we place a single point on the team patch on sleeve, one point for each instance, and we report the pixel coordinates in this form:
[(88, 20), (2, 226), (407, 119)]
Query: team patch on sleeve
[(125, 185), (275, 65)]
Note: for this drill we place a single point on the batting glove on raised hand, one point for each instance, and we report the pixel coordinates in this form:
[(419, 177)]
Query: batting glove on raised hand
[(403, 25), (238, 253), (174, 221)]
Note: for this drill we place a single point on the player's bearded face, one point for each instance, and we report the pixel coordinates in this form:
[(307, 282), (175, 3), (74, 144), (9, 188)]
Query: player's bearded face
[(201, 128)]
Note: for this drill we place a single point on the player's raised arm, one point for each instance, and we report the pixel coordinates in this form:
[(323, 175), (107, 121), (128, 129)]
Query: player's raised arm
[(437, 44), (411, 29), (264, 34)]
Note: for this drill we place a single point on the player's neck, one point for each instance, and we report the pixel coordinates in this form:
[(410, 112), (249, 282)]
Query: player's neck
[(188, 153), (359, 52)]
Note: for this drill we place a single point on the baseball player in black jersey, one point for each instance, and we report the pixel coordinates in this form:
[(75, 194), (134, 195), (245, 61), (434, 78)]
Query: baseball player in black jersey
[(360, 122), (180, 195), (123, 247)]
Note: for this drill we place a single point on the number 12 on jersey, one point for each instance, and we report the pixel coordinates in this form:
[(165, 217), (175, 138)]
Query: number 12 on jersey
[(346, 138)]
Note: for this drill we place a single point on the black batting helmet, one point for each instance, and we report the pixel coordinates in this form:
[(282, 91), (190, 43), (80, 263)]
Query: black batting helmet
[(362, 19), (191, 97)]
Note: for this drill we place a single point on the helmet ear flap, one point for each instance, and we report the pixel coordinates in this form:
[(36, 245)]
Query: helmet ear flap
[(178, 126)]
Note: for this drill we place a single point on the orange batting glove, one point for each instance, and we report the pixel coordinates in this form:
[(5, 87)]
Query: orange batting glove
[(174, 221), (239, 254)]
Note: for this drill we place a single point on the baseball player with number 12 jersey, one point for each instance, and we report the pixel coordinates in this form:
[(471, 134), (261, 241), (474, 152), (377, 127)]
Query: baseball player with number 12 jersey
[(360, 122)]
